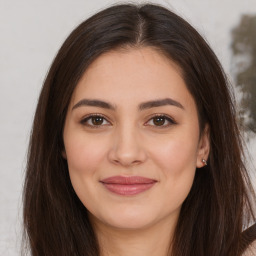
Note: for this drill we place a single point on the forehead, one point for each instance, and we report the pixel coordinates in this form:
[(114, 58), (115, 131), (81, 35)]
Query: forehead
[(132, 75)]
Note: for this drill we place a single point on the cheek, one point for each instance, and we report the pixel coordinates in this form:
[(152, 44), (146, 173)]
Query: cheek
[(176, 155), (84, 155), (177, 161)]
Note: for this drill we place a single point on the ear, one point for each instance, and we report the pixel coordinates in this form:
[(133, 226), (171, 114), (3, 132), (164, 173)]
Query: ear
[(63, 153), (203, 147)]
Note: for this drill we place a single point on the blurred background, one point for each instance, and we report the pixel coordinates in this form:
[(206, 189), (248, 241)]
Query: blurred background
[(33, 31)]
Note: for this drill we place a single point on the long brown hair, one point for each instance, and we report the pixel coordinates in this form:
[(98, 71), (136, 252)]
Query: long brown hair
[(218, 206)]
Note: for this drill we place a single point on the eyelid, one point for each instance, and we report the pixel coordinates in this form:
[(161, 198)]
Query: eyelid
[(87, 117), (171, 120), (165, 116)]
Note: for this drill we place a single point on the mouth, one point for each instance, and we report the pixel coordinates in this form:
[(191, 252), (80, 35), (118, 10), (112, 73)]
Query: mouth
[(128, 185)]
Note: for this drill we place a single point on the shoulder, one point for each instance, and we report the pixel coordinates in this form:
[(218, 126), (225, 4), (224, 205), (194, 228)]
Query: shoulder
[(249, 237), (250, 250)]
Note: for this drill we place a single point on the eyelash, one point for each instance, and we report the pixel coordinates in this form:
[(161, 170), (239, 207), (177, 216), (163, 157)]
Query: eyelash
[(87, 118), (170, 120), (165, 117)]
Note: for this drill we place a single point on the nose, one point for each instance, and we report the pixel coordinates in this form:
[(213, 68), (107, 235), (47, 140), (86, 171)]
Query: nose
[(127, 147)]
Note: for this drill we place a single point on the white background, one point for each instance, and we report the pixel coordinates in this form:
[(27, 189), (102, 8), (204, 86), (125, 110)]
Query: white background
[(31, 32)]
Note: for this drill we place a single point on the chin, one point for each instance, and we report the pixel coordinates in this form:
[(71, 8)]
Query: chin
[(129, 219), (130, 223)]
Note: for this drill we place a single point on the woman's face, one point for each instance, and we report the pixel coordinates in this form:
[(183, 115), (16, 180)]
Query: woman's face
[(132, 139)]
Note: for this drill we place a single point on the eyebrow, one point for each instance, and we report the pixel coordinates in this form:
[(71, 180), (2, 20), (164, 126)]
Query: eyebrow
[(159, 103), (94, 103), (142, 106)]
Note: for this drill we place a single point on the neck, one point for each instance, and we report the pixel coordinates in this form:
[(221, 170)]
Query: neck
[(154, 240)]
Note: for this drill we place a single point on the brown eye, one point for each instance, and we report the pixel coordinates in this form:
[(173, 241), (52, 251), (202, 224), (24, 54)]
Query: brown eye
[(159, 120), (97, 120), (94, 121)]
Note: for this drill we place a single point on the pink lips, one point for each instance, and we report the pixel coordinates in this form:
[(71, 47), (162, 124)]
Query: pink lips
[(130, 185)]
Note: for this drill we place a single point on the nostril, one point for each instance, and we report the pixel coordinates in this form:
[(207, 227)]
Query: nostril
[(126, 159), (126, 162), (126, 149)]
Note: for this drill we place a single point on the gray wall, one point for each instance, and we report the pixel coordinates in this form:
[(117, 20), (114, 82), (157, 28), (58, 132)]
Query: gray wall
[(31, 33)]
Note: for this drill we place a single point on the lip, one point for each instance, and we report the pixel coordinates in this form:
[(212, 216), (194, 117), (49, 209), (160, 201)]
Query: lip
[(128, 185)]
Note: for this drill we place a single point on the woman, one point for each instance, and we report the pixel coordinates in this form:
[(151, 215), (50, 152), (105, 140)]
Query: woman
[(135, 149)]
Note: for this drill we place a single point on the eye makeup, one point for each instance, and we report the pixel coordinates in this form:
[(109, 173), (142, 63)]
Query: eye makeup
[(98, 120)]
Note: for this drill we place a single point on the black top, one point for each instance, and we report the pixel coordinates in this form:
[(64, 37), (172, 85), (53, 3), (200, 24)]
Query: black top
[(249, 235)]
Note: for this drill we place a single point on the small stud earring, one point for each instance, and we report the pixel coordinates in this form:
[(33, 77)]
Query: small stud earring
[(204, 161)]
